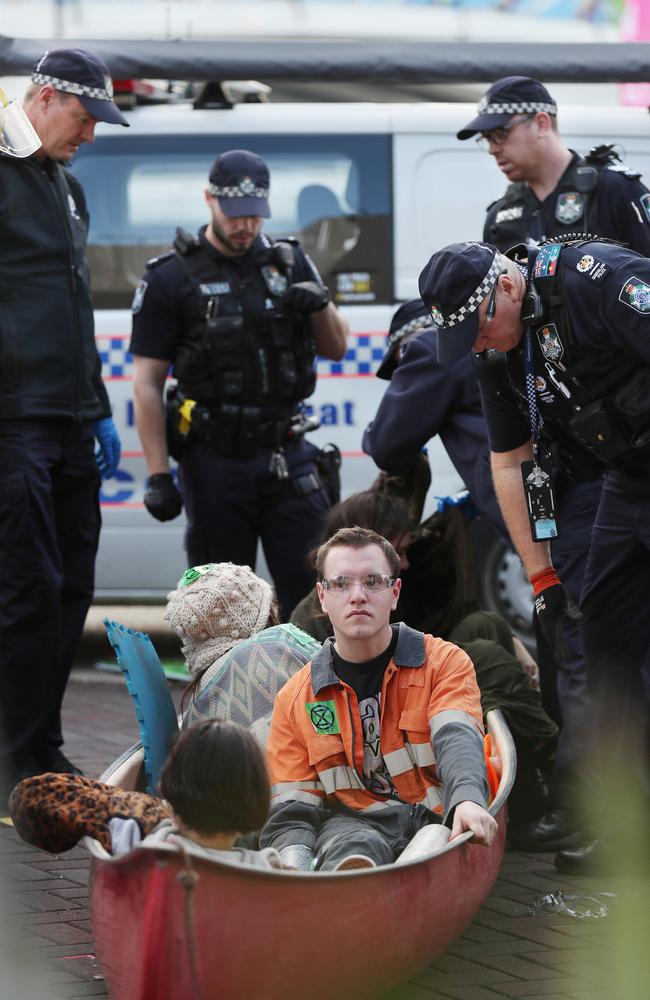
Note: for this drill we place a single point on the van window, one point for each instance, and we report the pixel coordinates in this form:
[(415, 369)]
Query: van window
[(332, 192)]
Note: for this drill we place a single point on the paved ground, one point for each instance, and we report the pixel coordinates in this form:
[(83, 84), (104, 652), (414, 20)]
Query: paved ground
[(504, 953)]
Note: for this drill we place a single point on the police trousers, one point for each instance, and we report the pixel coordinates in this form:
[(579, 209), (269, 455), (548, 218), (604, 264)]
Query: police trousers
[(231, 503), (49, 532), (616, 629)]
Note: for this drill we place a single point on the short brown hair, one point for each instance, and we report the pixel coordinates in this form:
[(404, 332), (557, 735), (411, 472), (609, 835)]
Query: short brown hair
[(356, 538), (215, 779)]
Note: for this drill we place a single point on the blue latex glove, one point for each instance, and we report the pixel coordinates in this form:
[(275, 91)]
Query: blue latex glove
[(108, 453)]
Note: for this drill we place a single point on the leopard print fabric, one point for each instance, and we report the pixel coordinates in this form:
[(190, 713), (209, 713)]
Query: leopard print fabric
[(54, 811)]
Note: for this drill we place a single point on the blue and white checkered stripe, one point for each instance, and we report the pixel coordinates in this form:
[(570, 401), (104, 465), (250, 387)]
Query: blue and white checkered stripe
[(363, 357), (484, 287), (486, 107), (104, 93)]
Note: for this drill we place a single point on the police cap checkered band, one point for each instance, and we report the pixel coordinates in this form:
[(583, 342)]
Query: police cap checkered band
[(512, 95), (407, 330), (482, 289), (104, 93), (84, 75), (245, 189), (486, 107)]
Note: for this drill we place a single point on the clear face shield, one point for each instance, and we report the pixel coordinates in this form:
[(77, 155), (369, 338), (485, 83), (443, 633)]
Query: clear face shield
[(17, 135)]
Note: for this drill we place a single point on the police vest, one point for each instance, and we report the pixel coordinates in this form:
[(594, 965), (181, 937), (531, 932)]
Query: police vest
[(246, 349), (595, 406), (518, 217)]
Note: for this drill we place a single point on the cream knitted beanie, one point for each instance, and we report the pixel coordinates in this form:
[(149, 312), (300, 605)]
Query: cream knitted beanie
[(214, 607)]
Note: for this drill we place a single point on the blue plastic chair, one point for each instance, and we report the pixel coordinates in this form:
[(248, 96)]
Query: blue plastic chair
[(152, 700)]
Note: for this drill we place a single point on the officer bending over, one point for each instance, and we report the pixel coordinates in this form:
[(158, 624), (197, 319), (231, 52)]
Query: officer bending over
[(573, 389), (241, 318), (553, 190)]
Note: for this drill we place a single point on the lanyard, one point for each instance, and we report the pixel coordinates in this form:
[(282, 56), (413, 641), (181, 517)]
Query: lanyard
[(536, 419)]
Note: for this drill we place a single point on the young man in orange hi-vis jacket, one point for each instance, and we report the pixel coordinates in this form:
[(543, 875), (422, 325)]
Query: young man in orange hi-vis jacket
[(380, 734)]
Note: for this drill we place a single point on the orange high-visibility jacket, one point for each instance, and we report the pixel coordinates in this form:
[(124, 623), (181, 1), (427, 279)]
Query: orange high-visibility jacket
[(431, 731)]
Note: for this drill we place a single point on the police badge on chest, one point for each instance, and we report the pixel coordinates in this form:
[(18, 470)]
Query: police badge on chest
[(569, 207), (274, 280)]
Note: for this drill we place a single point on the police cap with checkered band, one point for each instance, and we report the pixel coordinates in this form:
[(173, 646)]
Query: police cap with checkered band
[(240, 181), (75, 71), (510, 96), (411, 319), (452, 286)]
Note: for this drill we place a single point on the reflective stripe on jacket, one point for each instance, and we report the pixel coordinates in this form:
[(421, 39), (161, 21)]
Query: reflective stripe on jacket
[(431, 731)]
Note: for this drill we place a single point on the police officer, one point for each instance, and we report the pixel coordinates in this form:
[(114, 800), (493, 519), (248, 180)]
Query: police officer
[(574, 323), (424, 399), (241, 318), (553, 191), (53, 406)]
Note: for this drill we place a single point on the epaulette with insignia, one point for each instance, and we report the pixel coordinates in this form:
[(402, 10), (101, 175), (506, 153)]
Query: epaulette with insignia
[(160, 259), (607, 156), (621, 168)]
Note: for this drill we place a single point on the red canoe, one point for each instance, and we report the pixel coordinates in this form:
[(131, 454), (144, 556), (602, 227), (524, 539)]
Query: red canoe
[(169, 928)]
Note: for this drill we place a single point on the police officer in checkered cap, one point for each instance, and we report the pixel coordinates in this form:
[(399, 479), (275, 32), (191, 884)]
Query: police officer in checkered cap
[(57, 436), (567, 396), (240, 317), (553, 190)]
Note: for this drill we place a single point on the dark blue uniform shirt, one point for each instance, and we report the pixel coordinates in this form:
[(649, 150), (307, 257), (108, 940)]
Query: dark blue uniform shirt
[(607, 304), (424, 399), (618, 209)]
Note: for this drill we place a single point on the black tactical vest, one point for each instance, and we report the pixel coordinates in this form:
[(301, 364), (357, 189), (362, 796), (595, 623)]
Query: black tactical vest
[(246, 350), (519, 217), (594, 405)]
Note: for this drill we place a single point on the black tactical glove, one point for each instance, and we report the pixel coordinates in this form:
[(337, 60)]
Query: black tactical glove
[(307, 296), (554, 608), (161, 497)]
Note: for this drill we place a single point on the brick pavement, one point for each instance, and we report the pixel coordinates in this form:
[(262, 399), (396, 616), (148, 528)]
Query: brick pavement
[(47, 947)]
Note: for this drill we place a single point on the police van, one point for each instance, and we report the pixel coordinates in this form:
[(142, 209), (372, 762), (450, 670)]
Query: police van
[(370, 191)]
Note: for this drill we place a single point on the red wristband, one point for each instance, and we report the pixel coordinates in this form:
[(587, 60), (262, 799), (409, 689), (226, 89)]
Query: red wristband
[(540, 581)]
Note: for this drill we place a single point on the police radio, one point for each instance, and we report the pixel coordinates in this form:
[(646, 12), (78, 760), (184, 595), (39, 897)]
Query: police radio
[(532, 306)]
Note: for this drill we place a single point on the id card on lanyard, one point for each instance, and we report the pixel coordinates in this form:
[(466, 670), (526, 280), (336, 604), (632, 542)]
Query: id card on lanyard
[(538, 489)]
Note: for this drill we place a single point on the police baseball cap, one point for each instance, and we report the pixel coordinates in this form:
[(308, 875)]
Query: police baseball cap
[(452, 286), (410, 319), (513, 95), (240, 181), (75, 71)]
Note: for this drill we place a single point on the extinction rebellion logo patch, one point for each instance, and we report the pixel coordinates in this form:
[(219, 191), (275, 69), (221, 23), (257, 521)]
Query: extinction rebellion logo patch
[(322, 715), (635, 293)]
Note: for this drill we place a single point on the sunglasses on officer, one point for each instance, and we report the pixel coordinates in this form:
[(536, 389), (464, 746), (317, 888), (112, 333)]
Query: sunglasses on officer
[(499, 136)]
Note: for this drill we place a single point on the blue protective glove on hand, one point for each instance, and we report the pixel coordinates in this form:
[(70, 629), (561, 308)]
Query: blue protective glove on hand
[(108, 453)]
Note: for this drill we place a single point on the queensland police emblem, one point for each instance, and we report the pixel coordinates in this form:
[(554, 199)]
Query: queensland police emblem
[(585, 263), (636, 294), (569, 207), (436, 315), (247, 185), (550, 343), (322, 715), (274, 280)]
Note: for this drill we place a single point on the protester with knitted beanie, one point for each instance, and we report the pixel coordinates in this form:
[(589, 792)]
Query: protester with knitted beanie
[(216, 606)]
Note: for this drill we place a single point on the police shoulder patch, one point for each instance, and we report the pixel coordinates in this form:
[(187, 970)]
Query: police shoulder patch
[(138, 297), (644, 201), (635, 294)]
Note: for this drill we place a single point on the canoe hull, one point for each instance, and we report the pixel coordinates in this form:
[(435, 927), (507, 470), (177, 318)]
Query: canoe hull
[(255, 936)]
